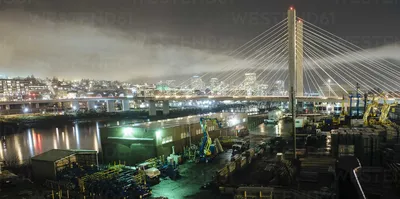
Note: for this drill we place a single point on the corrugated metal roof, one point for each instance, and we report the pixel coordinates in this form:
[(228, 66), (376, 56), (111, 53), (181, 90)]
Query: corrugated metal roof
[(169, 123), (57, 154)]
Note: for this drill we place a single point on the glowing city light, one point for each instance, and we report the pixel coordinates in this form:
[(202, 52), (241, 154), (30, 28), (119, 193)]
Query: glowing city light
[(158, 134), (128, 132)]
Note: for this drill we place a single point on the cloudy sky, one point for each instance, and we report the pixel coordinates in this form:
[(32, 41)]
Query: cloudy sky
[(156, 39)]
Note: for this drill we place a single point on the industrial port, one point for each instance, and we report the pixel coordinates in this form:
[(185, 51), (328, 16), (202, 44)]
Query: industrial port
[(228, 155)]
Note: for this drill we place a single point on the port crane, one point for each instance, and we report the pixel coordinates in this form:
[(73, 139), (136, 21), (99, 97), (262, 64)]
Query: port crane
[(342, 116), (204, 151), (383, 118), (367, 112)]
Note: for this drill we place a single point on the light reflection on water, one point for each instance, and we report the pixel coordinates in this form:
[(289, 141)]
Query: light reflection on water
[(1, 151), (270, 130), (21, 147)]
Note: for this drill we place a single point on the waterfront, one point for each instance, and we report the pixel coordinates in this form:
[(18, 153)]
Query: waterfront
[(19, 148)]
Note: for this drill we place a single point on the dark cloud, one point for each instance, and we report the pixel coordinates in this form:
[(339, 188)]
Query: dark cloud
[(139, 39)]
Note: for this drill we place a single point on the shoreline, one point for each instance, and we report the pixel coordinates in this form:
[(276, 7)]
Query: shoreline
[(15, 124)]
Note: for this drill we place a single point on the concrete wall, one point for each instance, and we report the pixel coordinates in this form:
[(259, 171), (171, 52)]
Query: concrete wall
[(255, 121), (129, 153), (43, 170)]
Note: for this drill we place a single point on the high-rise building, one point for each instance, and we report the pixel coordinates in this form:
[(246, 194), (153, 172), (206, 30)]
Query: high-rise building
[(13, 88), (214, 84), (249, 83), (262, 89), (197, 83), (279, 88)]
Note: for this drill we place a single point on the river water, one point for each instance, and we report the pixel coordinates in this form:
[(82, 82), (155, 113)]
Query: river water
[(19, 148)]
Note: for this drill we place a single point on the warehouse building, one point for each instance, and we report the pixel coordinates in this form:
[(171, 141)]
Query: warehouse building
[(131, 144), (46, 165)]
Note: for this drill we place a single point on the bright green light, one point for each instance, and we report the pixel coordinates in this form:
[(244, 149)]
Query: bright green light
[(158, 134), (127, 131)]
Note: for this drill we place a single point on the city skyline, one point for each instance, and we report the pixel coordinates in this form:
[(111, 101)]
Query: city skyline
[(33, 88)]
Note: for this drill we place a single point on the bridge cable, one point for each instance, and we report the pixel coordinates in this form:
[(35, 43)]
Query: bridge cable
[(275, 41), (360, 71), (245, 46)]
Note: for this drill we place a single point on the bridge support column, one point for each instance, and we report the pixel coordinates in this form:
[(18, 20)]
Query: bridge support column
[(299, 59), (110, 105), (165, 107), (7, 107), (152, 108), (91, 105), (292, 55), (125, 105), (75, 105)]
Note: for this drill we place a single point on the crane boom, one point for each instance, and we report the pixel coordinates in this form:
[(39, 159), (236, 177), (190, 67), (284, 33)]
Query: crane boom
[(368, 110), (383, 118), (205, 145)]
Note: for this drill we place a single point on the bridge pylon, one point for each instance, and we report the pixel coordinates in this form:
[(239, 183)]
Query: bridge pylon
[(299, 58), (295, 49), (292, 50)]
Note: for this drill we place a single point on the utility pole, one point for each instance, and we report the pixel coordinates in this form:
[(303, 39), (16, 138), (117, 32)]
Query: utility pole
[(293, 58), (350, 107), (358, 100), (365, 101), (293, 98)]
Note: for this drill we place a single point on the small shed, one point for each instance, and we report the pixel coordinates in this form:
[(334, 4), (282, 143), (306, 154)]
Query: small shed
[(46, 165)]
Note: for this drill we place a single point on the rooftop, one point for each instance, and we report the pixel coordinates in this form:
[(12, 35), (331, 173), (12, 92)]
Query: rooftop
[(169, 123), (57, 154)]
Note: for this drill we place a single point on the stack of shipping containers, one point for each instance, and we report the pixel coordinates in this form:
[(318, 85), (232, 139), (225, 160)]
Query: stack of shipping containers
[(364, 143)]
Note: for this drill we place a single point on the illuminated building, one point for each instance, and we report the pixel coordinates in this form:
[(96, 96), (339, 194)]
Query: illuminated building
[(197, 83), (141, 141), (13, 88), (249, 83), (214, 84)]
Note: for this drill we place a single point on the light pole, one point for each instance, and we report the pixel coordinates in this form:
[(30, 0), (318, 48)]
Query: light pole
[(329, 87)]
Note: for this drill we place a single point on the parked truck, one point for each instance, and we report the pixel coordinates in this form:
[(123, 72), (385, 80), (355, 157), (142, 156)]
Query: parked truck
[(273, 117), (152, 173), (301, 122)]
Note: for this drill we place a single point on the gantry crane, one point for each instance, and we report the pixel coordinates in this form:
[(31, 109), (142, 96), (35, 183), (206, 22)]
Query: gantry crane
[(367, 112), (383, 118), (204, 151)]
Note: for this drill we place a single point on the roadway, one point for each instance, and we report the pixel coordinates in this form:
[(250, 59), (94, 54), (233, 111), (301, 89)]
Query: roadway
[(182, 98)]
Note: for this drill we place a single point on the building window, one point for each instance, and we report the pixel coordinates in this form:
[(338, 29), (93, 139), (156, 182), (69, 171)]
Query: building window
[(184, 135), (198, 131), (166, 140)]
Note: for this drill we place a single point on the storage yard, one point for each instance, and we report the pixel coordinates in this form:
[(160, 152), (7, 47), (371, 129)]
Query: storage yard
[(225, 156)]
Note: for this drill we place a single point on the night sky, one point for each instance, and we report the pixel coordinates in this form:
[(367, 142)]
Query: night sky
[(155, 39)]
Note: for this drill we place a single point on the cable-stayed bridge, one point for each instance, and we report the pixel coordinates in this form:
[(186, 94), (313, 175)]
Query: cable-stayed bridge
[(295, 53), (294, 59)]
